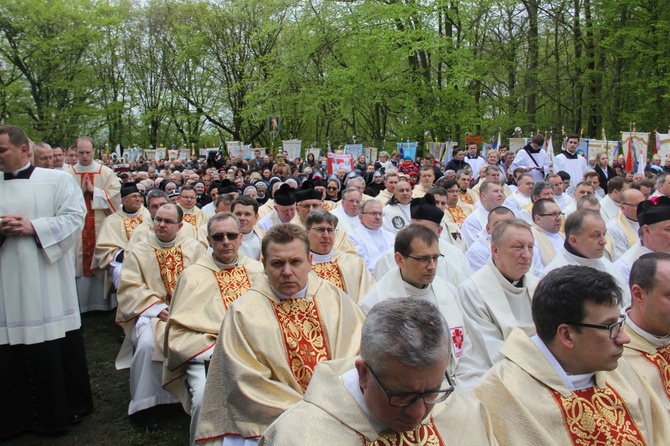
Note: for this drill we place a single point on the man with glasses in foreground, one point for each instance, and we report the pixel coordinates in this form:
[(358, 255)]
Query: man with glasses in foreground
[(148, 278), (397, 392), (203, 293), (566, 384)]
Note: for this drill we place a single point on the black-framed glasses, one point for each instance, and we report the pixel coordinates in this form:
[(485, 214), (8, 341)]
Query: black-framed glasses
[(614, 329), (321, 231), (220, 236), (425, 261), (164, 220), (405, 399), (552, 214)]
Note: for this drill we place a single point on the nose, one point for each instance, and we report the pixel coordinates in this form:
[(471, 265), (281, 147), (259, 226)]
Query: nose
[(417, 410), (622, 338)]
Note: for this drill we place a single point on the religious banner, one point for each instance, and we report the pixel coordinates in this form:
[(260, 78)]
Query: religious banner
[(448, 153), (477, 139), (407, 149), (292, 148), (184, 153), (354, 149), (517, 143), (597, 146), (174, 154), (315, 152), (234, 149), (436, 149), (273, 124), (338, 160), (371, 154), (161, 153), (635, 143), (263, 150), (663, 142)]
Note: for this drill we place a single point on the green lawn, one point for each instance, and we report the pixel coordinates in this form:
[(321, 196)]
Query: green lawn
[(109, 423)]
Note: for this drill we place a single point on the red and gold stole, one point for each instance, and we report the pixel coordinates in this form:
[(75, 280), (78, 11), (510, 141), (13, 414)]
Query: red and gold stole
[(597, 417), (466, 197), (422, 435), (88, 233), (330, 271), (304, 338), (661, 360), (232, 284), (170, 264), (130, 223), (191, 220), (457, 214)]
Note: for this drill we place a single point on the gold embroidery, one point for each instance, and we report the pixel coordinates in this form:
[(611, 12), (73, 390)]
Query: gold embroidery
[(661, 360), (232, 284), (329, 271), (131, 223), (191, 220), (303, 335), (422, 435), (457, 214), (170, 264), (596, 417), (466, 197)]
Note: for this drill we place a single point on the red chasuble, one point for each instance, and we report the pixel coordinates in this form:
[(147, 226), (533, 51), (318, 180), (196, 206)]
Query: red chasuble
[(661, 360)]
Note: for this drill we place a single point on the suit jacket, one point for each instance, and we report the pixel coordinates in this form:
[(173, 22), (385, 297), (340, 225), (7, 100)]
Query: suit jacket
[(605, 178)]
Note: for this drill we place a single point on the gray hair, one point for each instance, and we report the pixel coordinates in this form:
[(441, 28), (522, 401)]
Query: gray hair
[(366, 204), (320, 216), (408, 330), (351, 181), (222, 216), (349, 190), (157, 193), (539, 187), (501, 228)]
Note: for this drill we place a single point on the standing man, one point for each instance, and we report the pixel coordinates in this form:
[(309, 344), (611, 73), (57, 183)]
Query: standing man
[(566, 385), (570, 162), (43, 155), (533, 158), (101, 190), (259, 348), (246, 210), (149, 275), (202, 295), (58, 157), (474, 160), (648, 323), (44, 374)]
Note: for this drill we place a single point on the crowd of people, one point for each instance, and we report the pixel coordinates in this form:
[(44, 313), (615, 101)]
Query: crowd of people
[(511, 298)]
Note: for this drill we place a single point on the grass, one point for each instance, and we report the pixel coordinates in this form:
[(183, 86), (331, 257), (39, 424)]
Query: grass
[(109, 423)]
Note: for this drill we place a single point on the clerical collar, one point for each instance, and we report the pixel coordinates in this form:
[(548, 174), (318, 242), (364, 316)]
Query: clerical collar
[(21, 174), (572, 382), (169, 244), (133, 215), (654, 341), (16, 172), (222, 265), (514, 283), (249, 236), (350, 380), (322, 258), (572, 156), (299, 295), (568, 247), (414, 291), (470, 157)]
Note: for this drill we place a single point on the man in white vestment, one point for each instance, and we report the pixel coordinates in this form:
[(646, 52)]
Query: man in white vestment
[(284, 208), (566, 385), (344, 270), (148, 277), (101, 190), (347, 212), (585, 245), (371, 240), (610, 204), (474, 160), (479, 253), (623, 228), (492, 196), (662, 185), (570, 162), (560, 197), (541, 190), (43, 155), (547, 221), (115, 234), (262, 363), (58, 157), (43, 374), (246, 210), (497, 298), (654, 218), (533, 158), (417, 255), (582, 189), (522, 195), (202, 295), (396, 212), (648, 323), (453, 266), (398, 392)]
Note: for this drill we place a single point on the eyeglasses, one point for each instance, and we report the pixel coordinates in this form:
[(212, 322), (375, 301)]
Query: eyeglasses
[(309, 206), (374, 214), (552, 214), (425, 261), (219, 237), (320, 231), (405, 399), (164, 220), (614, 328), (184, 197), (332, 188)]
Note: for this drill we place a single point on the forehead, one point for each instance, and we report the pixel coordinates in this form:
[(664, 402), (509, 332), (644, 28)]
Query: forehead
[(185, 193), (593, 223), (514, 234), (403, 185), (158, 201), (226, 224), (292, 250), (418, 246), (373, 207), (600, 313), (167, 212), (243, 209), (84, 146)]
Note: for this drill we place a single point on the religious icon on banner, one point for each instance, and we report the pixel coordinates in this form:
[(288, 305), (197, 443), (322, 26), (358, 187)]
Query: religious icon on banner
[(273, 124), (339, 160)]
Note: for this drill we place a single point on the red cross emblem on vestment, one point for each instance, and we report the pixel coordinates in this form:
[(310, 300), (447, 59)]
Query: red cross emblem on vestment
[(457, 338)]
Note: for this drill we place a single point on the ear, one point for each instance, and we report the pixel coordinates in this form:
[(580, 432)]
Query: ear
[(309, 258), (494, 251), (362, 370), (564, 336), (536, 220), (180, 225), (439, 230), (209, 240), (399, 259), (637, 295), (572, 239)]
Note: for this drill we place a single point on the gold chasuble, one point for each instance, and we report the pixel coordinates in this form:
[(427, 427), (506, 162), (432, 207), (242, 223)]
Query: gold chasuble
[(456, 215), (466, 197), (266, 352), (347, 272), (194, 217), (200, 300), (530, 404), (651, 363), (148, 277), (333, 411)]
